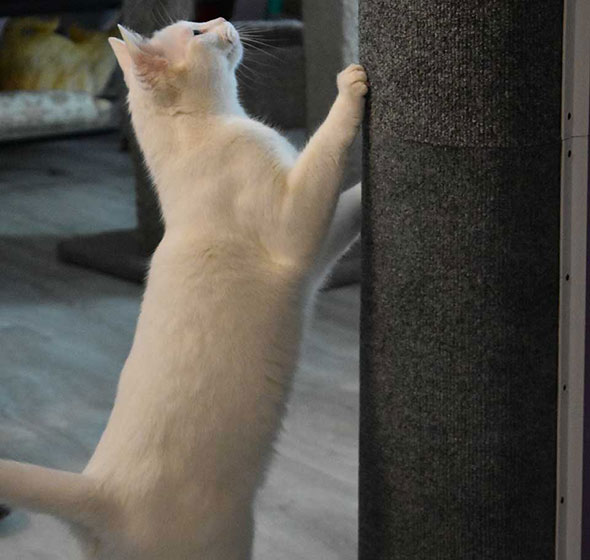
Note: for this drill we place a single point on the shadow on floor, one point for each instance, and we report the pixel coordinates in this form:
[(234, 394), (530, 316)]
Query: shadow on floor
[(31, 273)]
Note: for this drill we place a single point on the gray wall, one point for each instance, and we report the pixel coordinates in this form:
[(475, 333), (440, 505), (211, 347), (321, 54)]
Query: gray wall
[(460, 279)]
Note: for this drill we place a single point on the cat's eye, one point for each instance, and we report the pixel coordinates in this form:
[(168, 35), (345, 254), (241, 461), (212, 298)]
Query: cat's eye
[(196, 32)]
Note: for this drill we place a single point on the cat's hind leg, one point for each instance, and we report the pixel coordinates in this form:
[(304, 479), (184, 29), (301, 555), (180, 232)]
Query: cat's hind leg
[(345, 226), (73, 497), (344, 231)]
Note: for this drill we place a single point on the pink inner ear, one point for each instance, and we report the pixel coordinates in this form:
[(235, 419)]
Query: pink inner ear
[(155, 62), (149, 48), (149, 67)]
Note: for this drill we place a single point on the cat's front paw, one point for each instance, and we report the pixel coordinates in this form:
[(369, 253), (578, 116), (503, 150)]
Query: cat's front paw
[(352, 82)]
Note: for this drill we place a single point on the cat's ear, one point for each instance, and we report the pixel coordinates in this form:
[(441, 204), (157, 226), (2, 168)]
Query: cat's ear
[(148, 63), (121, 53), (134, 42)]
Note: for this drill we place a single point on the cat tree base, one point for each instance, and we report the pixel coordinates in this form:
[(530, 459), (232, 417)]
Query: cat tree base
[(118, 253)]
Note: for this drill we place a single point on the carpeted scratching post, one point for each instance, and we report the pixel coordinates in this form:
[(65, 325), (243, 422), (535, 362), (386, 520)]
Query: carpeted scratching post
[(460, 279)]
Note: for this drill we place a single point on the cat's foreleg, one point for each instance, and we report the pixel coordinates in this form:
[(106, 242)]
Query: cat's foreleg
[(344, 231), (313, 183)]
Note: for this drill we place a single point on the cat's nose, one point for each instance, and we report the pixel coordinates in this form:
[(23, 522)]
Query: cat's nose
[(206, 26), (230, 33)]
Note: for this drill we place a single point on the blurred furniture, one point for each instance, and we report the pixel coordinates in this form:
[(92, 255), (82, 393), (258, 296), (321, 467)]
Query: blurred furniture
[(13, 8), (210, 9), (37, 114), (250, 10), (33, 115)]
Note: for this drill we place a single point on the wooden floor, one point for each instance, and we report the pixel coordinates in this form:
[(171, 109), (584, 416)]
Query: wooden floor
[(65, 332)]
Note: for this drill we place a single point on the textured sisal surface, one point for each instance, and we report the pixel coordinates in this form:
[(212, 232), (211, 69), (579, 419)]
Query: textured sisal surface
[(464, 74), (460, 280)]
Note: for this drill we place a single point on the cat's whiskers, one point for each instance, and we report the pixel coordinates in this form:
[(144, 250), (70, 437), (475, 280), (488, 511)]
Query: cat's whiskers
[(251, 27), (251, 31), (248, 45), (257, 39), (171, 20), (245, 65), (239, 25), (160, 19), (247, 80), (254, 33), (245, 69), (249, 75), (259, 62), (268, 50), (157, 16), (247, 33)]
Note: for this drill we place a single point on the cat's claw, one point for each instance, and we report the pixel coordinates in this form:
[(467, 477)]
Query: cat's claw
[(352, 81)]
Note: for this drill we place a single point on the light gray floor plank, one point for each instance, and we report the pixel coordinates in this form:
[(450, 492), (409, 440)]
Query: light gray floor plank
[(65, 332)]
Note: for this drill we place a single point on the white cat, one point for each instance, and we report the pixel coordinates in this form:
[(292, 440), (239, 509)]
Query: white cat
[(252, 226)]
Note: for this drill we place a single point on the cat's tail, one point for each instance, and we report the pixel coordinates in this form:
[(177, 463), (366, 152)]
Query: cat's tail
[(70, 496)]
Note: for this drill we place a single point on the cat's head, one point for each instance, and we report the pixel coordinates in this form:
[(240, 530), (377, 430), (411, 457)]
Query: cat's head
[(186, 64)]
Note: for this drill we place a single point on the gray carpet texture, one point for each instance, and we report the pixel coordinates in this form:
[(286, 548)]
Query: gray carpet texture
[(459, 320)]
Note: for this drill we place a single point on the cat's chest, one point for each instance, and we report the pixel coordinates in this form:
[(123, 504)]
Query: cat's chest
[(227, 295)]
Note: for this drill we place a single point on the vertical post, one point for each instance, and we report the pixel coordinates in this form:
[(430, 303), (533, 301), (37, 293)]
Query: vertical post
[(331, 43), (573, 466), (459, 343)]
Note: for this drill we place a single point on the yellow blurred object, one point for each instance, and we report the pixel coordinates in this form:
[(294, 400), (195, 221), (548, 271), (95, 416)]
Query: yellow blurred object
[(33, 56)]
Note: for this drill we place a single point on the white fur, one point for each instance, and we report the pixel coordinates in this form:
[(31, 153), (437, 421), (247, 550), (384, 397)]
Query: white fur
[(250, 231)]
